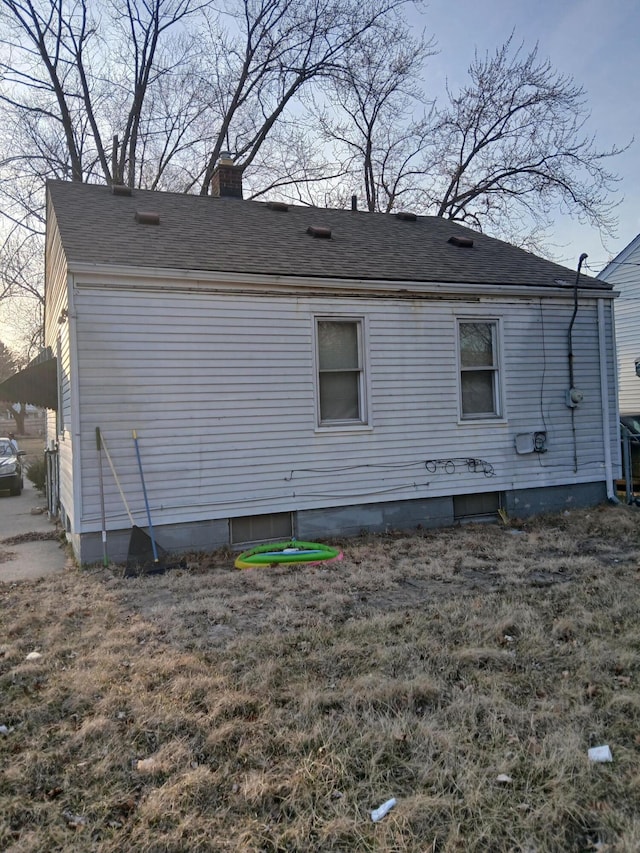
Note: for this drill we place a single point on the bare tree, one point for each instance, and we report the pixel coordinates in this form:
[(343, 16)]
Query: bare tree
[(175, 81), (292, 166), (511, 146), (72, 76), (149, 92), (9, 364), (179, 81), (22, 293), (58, 68), (285, 46), (503, 154), (20, 269), (369, 111)]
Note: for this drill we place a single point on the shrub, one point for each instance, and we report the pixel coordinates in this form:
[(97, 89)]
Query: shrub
[(37, 473)]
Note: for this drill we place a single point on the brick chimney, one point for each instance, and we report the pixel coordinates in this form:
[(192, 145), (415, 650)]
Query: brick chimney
[(226, 180)]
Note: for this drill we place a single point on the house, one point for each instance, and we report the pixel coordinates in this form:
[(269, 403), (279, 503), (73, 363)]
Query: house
[(311, 372), (623, 273)]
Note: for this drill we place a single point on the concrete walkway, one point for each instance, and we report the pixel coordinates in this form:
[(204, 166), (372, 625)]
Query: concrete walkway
[(26, 517)]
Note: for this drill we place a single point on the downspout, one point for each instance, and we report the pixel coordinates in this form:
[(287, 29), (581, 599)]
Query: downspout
[(604, 395), (573, 396), (75, 449), (583, 257)]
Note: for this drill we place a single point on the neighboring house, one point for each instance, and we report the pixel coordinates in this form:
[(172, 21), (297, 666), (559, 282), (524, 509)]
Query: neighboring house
[(310, 372), (623, 273)]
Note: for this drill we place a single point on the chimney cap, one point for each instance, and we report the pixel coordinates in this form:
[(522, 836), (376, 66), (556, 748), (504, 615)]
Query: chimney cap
[(226, 158)]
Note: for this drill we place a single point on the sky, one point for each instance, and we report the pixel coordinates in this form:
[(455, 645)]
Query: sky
[(597, 42)]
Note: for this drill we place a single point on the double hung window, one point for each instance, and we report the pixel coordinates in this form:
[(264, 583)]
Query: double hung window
[(479, 362), (341, 381)]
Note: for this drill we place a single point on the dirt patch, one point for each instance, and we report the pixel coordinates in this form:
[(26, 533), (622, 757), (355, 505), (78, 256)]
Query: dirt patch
[(464, 672), (378, 574), (44, 536)]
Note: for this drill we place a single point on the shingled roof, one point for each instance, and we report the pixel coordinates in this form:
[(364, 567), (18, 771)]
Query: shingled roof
[(236, 236)]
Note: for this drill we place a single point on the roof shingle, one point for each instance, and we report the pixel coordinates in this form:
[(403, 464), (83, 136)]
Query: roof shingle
[(236, 236)]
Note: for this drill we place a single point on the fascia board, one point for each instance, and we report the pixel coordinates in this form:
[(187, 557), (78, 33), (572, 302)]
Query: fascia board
[(145, 278)]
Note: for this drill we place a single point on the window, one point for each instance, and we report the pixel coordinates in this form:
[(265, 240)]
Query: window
[(340, 372), (479, 369)]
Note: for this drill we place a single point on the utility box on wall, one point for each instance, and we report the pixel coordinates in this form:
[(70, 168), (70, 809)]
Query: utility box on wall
[(531, 442)]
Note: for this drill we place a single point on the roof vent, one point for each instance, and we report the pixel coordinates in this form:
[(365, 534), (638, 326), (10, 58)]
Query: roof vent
[(462, 242), (147, 217), (319, 231), (406, 215), (120, 189), (278, 205)]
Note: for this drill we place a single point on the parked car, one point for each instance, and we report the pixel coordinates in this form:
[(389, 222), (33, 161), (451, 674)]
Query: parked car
[(11, 474)]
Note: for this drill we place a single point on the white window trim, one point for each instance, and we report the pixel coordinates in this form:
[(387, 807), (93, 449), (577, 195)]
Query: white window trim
[(364, 424), (500, 416)]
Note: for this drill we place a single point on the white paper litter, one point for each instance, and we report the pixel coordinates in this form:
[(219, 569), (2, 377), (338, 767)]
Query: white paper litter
[(504, 778), (381, 811), (600, 754)]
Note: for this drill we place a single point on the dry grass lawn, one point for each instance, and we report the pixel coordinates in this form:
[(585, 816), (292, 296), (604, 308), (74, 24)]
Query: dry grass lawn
[(465, 672)]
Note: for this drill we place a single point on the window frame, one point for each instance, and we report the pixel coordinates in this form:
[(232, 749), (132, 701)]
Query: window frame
[(496, 367), (363, 421)]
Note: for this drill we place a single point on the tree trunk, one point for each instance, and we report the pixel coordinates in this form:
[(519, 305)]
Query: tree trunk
[(19, 417)]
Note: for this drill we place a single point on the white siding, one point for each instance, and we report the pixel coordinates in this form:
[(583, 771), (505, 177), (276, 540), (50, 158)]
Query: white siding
[(220, 388), (58, 338), (624, 275)]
